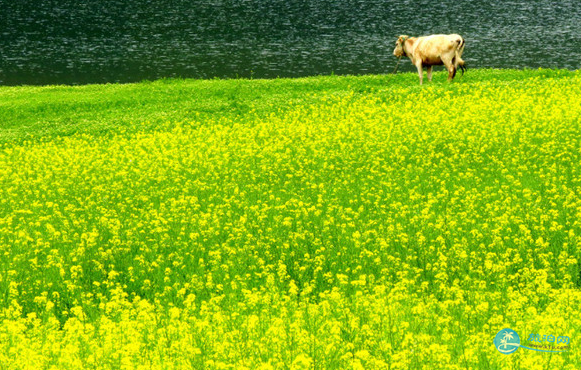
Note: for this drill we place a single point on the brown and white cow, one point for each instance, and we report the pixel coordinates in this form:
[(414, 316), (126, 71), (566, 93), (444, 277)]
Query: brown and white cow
[(433, 50)]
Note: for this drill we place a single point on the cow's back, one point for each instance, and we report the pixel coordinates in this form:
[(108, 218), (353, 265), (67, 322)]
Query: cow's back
[(432, 48)]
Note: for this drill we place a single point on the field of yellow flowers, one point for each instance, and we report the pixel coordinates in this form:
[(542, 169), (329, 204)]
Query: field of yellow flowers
[(320, 223)]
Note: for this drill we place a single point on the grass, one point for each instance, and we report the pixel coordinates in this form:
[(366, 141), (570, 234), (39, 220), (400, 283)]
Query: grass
[(326, 222), (31, 112)]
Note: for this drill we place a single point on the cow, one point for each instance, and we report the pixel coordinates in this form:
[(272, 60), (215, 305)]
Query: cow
[(433, 50)]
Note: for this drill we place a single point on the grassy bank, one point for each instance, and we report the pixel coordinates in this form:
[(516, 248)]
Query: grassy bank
[(51, 111), (328, 222)]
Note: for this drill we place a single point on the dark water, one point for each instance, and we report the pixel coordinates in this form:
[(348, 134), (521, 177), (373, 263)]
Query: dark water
[(88, 41)]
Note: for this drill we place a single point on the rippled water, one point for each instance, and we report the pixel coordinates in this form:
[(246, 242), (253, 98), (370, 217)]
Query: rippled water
[(75, 42)]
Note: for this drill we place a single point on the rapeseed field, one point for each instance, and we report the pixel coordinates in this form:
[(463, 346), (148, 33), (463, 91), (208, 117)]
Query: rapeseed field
[(320, 223)]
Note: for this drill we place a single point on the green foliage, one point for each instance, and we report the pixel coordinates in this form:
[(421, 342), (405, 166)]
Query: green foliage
[(332, 222)]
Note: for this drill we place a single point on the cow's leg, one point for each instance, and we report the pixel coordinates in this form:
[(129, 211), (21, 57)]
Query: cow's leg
[(462, 66), (459, 60), (451, 69), (430, 73), (420, 71), (451, 73)]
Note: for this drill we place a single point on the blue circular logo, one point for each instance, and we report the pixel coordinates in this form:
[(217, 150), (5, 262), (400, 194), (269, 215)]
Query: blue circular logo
[(507, 341)]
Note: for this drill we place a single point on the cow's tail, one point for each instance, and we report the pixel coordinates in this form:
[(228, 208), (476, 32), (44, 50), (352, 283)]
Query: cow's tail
[(458, 57)]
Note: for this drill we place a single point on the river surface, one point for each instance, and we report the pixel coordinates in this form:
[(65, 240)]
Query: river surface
[(95, 41)]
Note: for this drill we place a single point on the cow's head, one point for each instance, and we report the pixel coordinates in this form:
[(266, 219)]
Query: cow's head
[(399, 46)]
